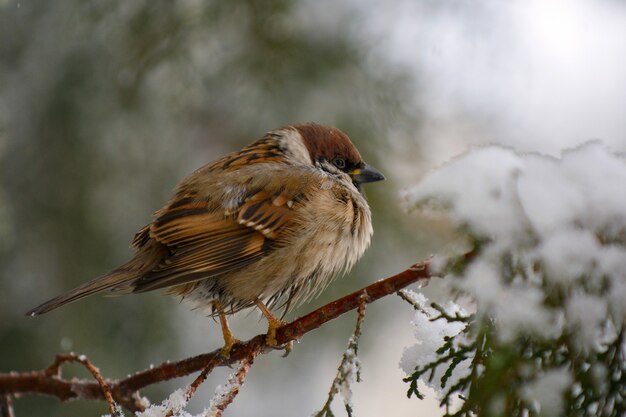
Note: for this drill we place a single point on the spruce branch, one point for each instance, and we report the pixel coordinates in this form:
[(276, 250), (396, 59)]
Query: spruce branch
[(406, 297)]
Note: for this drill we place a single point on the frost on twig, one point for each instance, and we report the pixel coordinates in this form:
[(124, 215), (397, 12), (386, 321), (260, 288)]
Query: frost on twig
[(170, 407), (349, 370), (174, 405), (224, 395)]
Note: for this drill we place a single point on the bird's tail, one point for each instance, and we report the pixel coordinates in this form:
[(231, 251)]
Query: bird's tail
[(117, 280)]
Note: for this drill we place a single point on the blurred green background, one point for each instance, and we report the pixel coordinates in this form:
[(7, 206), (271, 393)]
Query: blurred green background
[(105, 105)]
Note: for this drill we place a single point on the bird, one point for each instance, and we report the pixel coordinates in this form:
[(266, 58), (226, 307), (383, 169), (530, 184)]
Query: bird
[(268, 226)]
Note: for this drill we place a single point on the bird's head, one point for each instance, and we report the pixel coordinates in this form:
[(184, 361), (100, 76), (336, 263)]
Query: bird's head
[(331, 150)]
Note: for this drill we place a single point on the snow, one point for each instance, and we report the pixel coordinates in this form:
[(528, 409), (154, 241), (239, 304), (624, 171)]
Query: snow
[(480, 186), (582, 189), (171, 406), (547, 391), (548, 224), (585, 315), (174, 405), (350, 369), (565, 214), (569, 254), (429, 337), (517, 307), (418, 298)]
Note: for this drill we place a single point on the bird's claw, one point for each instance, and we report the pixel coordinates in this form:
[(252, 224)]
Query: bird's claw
[(270, 338), (287, 347), (228, 346)]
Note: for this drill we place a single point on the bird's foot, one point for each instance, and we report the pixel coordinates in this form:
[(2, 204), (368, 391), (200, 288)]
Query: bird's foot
[(274, 324), (229, 342), (229, 339)]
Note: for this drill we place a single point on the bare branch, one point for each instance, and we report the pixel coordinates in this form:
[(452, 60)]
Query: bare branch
[(54, 370), (125, 391)]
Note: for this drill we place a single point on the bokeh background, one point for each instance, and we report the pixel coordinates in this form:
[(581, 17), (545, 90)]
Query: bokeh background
[(105, 105)]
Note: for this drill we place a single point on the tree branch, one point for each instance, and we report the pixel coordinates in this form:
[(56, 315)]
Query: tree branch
[(125, 391)]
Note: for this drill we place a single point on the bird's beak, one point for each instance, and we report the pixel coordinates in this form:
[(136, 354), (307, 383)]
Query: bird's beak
[(366, 173)]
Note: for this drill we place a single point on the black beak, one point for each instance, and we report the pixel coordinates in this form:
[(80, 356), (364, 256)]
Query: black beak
[(366, 173)]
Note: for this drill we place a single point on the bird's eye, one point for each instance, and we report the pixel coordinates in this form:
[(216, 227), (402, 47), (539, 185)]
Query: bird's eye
[(339, 163)]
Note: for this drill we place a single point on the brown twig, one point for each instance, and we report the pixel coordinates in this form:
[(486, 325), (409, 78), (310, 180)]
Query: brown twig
[(235, 383), (125, 391), (54, 370), (197, 382)]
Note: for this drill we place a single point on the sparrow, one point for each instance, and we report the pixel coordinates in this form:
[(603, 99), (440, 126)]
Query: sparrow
[(268, 226)]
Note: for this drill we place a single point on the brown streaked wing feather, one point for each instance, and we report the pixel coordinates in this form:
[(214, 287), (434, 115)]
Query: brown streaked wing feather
[(203, 243), (265, 214), (264, 150), (141, 238)]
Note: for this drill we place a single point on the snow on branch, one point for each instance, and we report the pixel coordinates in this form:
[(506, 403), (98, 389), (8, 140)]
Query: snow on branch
[(547, 281), (174, 405)]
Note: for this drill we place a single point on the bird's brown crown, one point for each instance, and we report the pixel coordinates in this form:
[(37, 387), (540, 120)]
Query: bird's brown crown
[(325, 142)]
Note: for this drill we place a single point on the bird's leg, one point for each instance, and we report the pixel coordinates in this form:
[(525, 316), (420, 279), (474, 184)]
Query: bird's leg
[(229, 339), (273, 322)]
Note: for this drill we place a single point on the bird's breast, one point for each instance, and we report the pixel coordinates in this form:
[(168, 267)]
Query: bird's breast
[(332, 232)]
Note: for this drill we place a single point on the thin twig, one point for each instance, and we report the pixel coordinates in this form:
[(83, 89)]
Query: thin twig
[(55, 370), (6, 406), (197, 382), (191, 390), (235, 383), (124, 391), (345, 370)]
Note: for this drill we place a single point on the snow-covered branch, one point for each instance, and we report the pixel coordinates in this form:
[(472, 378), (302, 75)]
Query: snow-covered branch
[(547, 286)]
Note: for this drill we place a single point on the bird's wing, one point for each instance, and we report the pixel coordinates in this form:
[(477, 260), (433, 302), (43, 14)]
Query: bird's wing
[(203, 242)]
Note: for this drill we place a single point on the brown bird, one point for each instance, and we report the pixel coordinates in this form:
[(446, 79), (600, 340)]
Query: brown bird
[(270, 226)]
